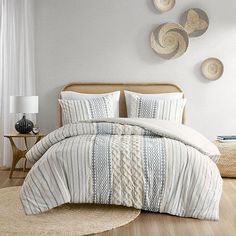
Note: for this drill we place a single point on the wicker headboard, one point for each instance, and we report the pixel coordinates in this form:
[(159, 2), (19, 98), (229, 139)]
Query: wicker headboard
[(134, 87)]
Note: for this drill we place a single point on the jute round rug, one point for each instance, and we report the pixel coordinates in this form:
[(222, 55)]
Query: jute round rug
[(69, 219)]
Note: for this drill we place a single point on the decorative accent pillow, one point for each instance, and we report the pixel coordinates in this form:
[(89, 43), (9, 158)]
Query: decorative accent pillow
[(155, 96), (71, 95), (165, 109), (79, 110)]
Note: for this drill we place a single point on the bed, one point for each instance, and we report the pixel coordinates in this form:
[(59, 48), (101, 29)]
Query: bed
[(148, 164)]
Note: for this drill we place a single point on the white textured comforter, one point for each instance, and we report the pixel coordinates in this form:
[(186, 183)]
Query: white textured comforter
[(147, 164)]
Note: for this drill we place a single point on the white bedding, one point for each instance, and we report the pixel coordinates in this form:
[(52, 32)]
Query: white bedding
[(147, 164)]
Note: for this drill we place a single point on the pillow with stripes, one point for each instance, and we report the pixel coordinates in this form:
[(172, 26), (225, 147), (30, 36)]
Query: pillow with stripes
[(155, 96), (74, 111), (163, 109), (71, 95)]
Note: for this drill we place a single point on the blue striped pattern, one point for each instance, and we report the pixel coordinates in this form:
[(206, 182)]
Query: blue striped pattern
[(104, 128), (101, 169), (164, 109), (74, 111), (154, 172)]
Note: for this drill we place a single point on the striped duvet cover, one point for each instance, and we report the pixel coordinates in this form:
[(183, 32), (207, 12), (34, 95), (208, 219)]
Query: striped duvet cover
[(152, 165)]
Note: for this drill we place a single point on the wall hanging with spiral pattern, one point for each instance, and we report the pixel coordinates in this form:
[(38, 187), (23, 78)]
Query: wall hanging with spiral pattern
[(169, 40)]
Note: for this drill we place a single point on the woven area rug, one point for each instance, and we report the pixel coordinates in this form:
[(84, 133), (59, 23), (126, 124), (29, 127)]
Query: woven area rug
[(69, 219)]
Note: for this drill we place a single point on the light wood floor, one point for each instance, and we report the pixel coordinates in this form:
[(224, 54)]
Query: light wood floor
[(148, 224)]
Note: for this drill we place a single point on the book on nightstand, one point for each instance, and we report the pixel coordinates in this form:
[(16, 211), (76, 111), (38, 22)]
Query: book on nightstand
[(226, 138)]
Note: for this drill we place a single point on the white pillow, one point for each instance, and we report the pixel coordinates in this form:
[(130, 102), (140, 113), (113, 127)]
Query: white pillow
[(128, 95), (165, 109), (74, 111), (70, 95)]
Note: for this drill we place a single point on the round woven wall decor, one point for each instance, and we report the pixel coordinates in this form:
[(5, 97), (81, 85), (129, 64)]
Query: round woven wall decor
[(212, 68), (169, 40), (164, 5), (195, 21)]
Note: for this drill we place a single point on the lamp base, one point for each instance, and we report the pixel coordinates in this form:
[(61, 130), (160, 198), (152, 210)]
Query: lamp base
[(24, 126)]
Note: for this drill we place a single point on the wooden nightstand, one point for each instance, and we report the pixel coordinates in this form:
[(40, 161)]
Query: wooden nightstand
[(227, 161), (18, 153)]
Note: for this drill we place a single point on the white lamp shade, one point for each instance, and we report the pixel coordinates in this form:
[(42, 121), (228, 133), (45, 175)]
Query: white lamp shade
[(23, 104)]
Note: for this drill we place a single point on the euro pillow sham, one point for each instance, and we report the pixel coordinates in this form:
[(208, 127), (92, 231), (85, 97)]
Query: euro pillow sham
[(74, 111), (129, 94), (71, 95), (164, 109)]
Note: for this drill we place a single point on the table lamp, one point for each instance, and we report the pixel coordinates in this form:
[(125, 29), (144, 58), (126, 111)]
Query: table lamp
[(24, 104)]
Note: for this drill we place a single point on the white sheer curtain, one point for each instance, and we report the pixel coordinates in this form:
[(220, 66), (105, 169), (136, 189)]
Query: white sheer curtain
[(17, 72)]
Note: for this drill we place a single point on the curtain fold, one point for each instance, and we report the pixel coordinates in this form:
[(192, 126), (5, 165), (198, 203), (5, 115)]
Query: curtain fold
[(17, 65)]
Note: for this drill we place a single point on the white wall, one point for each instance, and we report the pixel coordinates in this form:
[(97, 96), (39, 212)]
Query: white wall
[(108, 41)]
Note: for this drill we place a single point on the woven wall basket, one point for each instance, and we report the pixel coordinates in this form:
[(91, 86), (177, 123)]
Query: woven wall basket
[(169, 40), (195, 21), (164, 5), (212, 68)]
